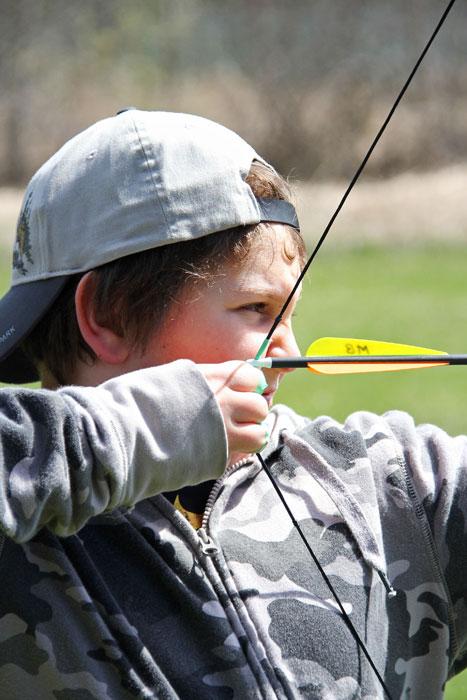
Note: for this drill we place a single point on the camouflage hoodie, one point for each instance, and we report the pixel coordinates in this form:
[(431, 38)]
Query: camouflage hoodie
[(139, 604)]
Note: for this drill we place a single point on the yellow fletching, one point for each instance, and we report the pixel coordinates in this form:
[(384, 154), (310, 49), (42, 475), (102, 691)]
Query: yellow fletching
[(360, 368), (359, 347)]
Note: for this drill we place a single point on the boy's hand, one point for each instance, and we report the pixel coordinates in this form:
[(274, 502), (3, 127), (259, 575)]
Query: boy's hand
[(237, 387)]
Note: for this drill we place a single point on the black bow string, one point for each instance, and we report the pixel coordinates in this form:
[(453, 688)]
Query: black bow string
[(278, 319)]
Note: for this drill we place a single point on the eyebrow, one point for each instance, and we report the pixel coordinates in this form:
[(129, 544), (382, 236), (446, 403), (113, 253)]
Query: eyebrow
[(271, 293)]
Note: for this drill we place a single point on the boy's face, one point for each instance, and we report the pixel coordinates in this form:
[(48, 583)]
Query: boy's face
[(227, 319)]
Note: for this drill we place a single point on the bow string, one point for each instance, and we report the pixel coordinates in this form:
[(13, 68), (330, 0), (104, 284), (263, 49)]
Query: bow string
[(278, 320)]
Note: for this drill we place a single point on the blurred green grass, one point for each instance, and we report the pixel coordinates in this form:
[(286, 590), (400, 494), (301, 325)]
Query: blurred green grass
[(415, 296)]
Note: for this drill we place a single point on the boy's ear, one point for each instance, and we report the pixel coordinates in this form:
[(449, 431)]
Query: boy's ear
[(106, 343)]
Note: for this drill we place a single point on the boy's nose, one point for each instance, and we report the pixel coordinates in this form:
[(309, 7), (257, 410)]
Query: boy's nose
[(284, 345)]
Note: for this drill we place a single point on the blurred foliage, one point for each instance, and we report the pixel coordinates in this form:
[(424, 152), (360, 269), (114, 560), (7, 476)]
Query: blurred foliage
[(306, 82)]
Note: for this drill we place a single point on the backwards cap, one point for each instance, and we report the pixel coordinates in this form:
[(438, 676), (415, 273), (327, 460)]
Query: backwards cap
[(129, 183)]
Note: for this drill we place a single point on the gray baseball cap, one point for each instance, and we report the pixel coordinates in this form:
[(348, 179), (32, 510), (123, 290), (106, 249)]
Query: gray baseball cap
[(126, 184)]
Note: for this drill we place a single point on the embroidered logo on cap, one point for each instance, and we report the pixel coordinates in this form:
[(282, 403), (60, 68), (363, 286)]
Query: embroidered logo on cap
[(22, 253), (7, 334)]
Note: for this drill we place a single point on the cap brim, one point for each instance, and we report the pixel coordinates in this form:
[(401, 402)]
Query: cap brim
[(20, 310)]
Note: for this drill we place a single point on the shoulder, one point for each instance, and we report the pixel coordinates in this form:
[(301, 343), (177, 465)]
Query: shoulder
[(429, 452), (364, 421), (361, 427), (373, 430)]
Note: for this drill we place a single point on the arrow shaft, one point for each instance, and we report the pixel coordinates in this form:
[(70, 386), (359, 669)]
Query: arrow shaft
[(296, 362)]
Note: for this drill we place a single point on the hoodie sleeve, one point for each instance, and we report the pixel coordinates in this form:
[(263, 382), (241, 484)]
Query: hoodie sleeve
[(68, 455)]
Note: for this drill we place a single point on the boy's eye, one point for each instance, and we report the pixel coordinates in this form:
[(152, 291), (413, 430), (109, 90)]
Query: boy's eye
[(259, 307)]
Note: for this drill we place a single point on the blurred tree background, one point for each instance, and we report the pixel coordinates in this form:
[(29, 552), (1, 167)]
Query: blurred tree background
[(307, 82)]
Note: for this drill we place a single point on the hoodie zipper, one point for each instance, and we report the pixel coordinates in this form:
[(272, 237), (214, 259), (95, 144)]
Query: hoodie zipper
[(207, 544)]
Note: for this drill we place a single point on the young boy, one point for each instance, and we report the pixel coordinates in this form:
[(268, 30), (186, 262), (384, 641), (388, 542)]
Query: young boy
[(164, 243)]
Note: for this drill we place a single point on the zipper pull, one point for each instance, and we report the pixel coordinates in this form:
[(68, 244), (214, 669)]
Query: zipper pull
[(390, 591), (206, 544)]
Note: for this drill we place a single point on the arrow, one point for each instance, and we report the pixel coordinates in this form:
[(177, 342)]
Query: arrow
[(357, 355)]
